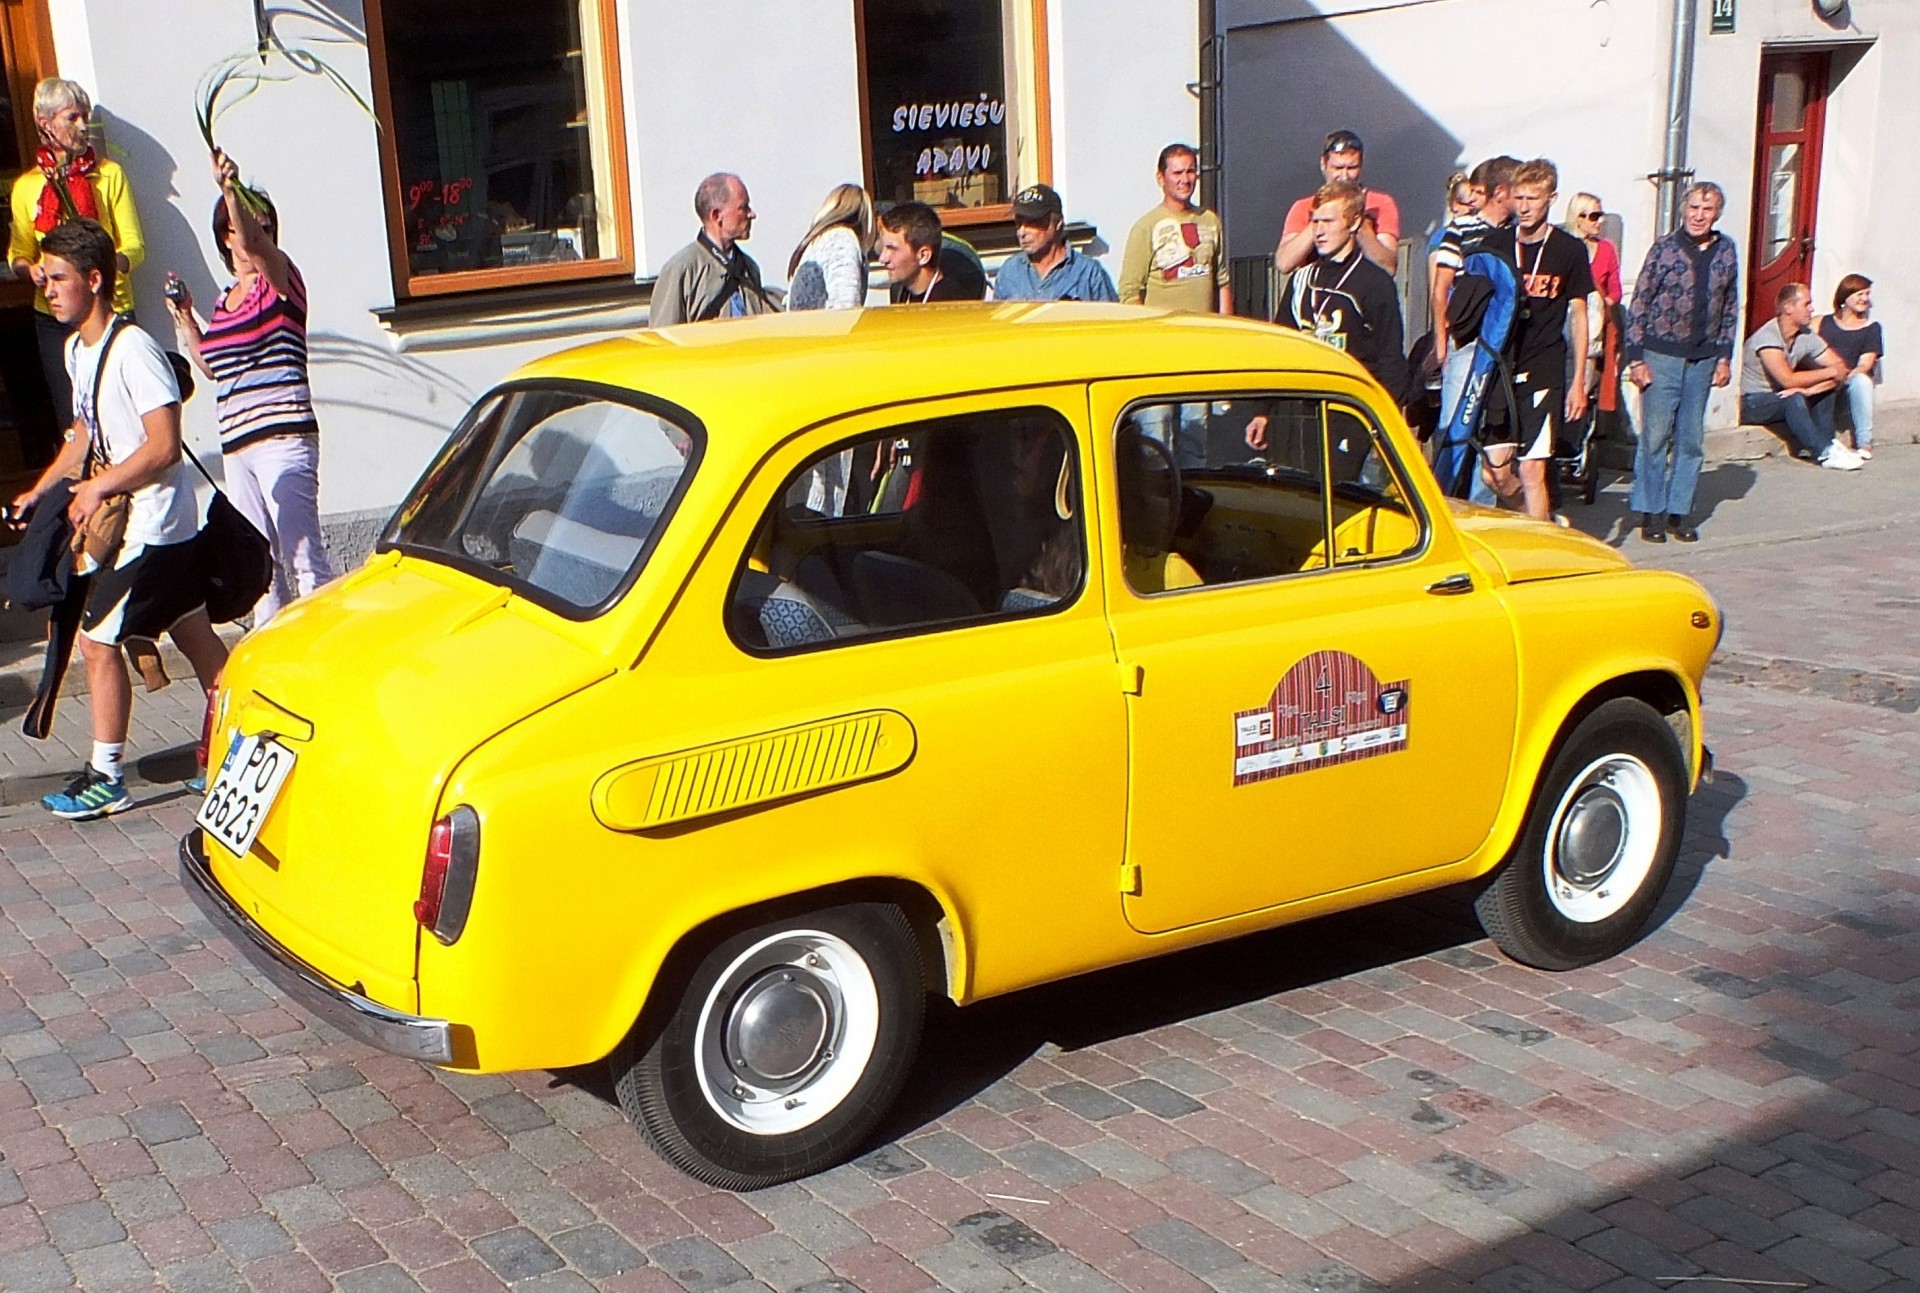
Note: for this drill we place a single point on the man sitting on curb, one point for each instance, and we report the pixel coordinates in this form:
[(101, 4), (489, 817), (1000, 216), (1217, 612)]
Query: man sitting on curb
[(1788, 376)]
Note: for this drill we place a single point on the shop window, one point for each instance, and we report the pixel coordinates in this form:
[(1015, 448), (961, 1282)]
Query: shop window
[(954, 96), (502, 141)]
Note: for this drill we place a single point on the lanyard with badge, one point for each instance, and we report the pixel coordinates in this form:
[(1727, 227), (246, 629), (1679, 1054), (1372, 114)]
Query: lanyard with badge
[(1325, 329), (1527, 279)]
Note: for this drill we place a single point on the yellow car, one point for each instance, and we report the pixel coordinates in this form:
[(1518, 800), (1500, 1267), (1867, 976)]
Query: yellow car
[(721, 692)]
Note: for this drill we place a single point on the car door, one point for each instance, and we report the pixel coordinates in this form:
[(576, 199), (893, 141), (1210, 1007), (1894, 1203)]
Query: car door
[(1325, 687), (923, 570)]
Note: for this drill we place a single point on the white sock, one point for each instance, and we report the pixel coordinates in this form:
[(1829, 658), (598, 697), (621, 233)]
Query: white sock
[(106, 759)]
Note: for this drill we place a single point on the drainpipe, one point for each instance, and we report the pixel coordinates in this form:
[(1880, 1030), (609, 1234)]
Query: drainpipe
[(1674, 174)]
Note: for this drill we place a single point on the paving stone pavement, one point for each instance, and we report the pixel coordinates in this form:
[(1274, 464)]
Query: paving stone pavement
[(1373, 1101)]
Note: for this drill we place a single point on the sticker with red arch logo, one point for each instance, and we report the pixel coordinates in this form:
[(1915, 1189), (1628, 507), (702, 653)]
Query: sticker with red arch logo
[(1330, 708)]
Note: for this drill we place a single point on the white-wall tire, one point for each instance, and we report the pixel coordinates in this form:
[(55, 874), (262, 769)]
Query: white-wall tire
[(1598, 845), (779, 1048)]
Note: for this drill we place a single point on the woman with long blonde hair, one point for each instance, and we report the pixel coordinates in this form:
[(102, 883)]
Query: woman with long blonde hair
[(828, 270)]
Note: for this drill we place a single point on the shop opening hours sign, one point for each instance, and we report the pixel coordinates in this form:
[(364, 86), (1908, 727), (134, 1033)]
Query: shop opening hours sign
[(939, 126)]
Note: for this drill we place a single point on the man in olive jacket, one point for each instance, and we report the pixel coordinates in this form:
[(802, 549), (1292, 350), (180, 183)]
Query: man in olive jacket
[(712, 277)]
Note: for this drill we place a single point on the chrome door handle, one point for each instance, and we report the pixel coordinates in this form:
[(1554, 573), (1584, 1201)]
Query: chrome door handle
[(1451, 586)]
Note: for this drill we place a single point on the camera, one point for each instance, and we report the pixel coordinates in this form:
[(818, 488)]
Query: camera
[(175, 291)]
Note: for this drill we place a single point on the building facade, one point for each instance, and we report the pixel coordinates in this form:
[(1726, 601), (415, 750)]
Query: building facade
[(1803, 111), (536, 160)]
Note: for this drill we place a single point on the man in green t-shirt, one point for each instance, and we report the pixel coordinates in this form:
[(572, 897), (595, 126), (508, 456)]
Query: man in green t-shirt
[(1175, 256)]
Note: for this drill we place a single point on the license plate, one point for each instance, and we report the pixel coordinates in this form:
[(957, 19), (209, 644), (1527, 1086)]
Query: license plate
[(242, 792)]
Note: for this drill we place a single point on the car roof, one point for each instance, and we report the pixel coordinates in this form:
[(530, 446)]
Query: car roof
[(810, 366)]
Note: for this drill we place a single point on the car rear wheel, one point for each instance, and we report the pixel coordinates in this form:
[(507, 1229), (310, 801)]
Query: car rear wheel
[(1599, 844), (786, 1046)]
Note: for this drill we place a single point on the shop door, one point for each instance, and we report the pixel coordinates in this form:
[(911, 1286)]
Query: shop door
[(27, 433), (1786, 187)]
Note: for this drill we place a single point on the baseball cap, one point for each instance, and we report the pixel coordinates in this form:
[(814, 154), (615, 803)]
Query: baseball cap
[(1343, 141), (1037, 202)]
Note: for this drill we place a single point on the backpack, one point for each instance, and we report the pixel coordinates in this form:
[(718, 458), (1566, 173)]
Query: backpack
[(1488, 291)]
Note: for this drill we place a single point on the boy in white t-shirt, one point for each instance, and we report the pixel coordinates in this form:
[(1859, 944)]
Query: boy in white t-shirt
[(153, 584)]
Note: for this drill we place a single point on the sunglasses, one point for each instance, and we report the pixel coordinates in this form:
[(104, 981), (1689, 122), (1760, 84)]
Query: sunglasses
[(1593, 215)]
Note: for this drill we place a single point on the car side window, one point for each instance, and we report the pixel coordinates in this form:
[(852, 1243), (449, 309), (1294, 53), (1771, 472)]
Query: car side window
[(1373, 517), (1226, 491), (929, 525)]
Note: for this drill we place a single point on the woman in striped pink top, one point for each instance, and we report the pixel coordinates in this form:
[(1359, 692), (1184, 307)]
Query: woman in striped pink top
[(255, 350)]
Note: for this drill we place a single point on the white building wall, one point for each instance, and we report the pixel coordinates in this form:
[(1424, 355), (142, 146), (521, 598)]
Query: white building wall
[(1585, 83), (1119, 86), (767, 88)]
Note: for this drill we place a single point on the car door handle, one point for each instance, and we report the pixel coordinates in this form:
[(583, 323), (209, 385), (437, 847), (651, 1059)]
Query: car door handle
[(1452, 585)]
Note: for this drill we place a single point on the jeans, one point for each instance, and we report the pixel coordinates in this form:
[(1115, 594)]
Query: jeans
[(1810, 421), (1860, 402), (1673, 414), (1453, 382), (276, 484), (1187, 438)]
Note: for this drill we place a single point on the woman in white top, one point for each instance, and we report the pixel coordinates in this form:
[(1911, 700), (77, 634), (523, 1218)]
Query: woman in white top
[(829, 267)]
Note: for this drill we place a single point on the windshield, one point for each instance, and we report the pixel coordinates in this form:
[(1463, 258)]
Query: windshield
[(555, 493)]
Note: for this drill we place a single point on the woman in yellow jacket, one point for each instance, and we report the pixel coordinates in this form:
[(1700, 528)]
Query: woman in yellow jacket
[(70, 182)]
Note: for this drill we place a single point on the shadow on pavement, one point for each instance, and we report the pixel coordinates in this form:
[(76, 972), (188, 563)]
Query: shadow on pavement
[(1612, 520)]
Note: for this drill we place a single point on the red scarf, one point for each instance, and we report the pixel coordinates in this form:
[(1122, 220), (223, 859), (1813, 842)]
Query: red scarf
[(75, 179)]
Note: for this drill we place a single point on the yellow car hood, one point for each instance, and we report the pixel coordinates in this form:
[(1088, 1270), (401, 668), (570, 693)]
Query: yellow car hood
[(380, 684), (1526, 549)]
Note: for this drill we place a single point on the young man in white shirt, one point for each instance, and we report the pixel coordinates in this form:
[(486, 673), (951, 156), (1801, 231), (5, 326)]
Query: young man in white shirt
[(127, 419)]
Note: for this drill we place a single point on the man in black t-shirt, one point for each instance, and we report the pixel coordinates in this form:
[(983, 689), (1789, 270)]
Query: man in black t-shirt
[(921, 266), (1345, 299), (1555, 277)]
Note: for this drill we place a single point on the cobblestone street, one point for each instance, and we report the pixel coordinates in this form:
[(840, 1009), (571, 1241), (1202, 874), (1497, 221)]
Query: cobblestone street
[(1373, 1101)]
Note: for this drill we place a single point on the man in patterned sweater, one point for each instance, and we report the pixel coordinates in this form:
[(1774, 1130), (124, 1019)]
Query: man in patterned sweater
[(1680, 331)]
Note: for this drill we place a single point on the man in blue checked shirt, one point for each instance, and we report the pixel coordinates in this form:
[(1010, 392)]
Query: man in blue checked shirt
[(1048, 269)]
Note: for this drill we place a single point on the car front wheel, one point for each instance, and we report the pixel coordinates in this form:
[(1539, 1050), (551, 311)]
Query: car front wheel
[(1599, 844), (784, 1049)]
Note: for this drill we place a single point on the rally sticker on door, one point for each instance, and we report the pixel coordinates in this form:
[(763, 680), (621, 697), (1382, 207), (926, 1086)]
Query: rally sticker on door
[(1328, 709)]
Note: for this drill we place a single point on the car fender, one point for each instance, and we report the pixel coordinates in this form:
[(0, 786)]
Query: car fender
[(572, 922), (1657, 652)]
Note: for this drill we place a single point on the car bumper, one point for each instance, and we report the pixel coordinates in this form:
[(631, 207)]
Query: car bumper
[(412, 1036)]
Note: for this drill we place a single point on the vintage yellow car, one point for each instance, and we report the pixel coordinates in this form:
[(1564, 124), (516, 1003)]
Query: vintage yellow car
[(721, 692)]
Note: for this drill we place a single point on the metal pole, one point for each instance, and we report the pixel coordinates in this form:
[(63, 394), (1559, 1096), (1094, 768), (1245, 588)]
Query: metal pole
[(1674, 173)]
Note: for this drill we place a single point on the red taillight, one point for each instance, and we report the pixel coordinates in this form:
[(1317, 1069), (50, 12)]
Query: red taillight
[(447, 878), (433, 878)]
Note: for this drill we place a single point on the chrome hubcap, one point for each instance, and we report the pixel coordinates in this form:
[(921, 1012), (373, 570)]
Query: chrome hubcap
[(1604, 839), (786, 1032), (779, 1027), (1592, 836)]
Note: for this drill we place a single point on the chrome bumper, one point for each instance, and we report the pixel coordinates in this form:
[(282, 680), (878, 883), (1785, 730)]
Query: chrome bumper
[(368, 1021)]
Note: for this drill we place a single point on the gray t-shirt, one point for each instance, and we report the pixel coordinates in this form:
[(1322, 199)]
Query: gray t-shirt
[(1806, 347)]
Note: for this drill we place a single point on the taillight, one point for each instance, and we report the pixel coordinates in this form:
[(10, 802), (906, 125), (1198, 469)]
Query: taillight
[(446, 881)]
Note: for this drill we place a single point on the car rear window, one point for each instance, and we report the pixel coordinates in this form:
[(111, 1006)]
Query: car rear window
[(557, 493)]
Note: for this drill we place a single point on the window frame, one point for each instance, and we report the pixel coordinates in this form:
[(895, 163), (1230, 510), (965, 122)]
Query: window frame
[(1039, 93), (410, 286), (1326, 399), (665, 410), (991, 616)]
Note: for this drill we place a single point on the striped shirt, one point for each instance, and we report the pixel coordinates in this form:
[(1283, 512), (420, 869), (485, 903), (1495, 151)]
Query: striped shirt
[(257, 351)]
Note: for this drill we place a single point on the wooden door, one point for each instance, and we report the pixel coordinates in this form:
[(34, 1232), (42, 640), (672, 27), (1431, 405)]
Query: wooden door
[(1786, 184)]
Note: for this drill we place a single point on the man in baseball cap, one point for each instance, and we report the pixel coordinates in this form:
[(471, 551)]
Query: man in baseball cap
[(1047, 268), (1341, 158)]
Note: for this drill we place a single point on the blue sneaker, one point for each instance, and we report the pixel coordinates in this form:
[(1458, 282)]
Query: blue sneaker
[(197, 783), (88, 796)]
